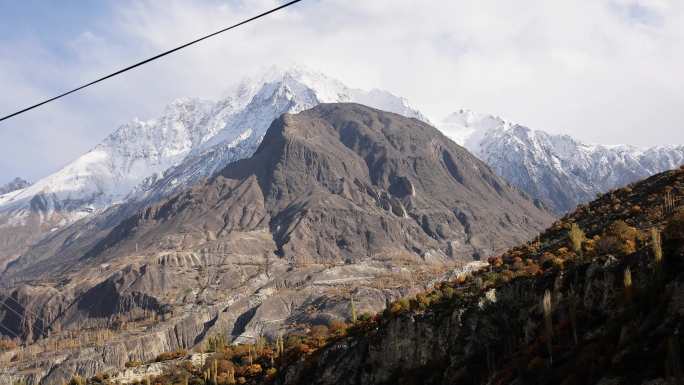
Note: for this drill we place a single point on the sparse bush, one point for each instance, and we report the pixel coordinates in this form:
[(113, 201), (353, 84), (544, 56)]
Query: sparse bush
[(448, 292), (293, 341), (320, 333), (253, 370), (623, 231), (546, 260), (337, 327), (619, 239), (77, 380), (166, 356), (7, 344), (495, 261), (401, 305), (271, 373), (518, 264), (533, 269), (133, 364)]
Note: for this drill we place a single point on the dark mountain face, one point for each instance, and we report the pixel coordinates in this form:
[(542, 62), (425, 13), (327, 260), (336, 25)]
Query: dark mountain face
[(344, 182)]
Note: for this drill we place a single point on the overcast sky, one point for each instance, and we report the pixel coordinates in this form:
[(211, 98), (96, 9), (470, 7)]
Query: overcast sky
[(605, 71)]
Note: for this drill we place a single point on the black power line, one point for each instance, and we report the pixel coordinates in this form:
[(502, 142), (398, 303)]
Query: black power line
[(152, 59)]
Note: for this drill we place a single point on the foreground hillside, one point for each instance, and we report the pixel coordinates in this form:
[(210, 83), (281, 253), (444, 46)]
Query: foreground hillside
[(338, 202), (596, 299)]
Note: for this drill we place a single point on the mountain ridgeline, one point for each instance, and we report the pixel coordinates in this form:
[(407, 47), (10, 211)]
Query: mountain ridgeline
[(559, 170), (344, 182)]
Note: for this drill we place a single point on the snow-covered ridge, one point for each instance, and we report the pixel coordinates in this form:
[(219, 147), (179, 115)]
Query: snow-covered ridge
[(557, 169), (192, 139)]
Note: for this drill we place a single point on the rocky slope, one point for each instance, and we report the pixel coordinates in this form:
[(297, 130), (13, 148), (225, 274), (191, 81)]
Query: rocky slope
[(143, 161), (605, 308), (340, 200), (559, 170)]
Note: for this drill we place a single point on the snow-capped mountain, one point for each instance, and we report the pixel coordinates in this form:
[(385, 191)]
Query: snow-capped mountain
[(144, 160), (257, 102), (559, 170)]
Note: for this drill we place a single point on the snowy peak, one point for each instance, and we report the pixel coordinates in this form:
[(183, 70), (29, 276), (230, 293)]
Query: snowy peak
[(258, 101), (558, 169), (107, 173), (388, 102), (468, 128), (145, 160), (468, 119)]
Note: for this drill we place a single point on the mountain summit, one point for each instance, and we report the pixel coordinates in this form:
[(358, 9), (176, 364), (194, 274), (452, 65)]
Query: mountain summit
[(151, 159)]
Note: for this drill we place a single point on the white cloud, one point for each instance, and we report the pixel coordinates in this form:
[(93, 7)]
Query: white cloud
[(605, 71)]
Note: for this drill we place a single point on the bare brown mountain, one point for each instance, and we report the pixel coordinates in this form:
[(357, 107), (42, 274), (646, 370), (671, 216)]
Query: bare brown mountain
[(338, 200), (344, 182)]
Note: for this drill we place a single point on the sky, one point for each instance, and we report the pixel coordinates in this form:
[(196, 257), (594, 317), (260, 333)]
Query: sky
[(604, 71)]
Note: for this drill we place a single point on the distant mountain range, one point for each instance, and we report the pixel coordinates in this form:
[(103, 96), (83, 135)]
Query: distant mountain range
[(557, 169), (144, 161)]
